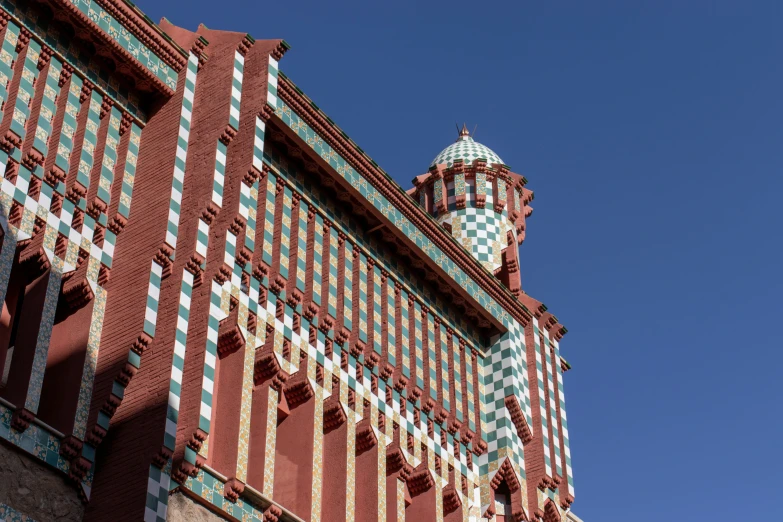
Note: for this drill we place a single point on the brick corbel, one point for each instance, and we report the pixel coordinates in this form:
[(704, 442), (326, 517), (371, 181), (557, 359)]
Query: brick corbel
[(298, 389), (334, 414), (10, 141)]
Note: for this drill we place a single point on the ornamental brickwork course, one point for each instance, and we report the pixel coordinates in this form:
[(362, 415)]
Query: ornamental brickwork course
[(216, 306)]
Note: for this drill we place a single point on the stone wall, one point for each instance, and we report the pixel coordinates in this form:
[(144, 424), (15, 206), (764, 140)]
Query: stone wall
[(183, 509), (35, 489)]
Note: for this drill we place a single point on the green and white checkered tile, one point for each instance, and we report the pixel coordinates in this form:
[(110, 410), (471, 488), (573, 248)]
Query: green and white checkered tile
[(129, 174), (467, 150), (153, 298), (109, 159), (301, 248), (271, 96), (564, 420), (178, 360), (236, 90), (269, 219), (391, 322), (68, 130), (551, 401), (442, 335), (48, 107), (87, 156), (258, 144), (482, 232), (456, 365), (182, 152), (542, 399), (158, 484), (220, 174), (210, 360), (419, 345)]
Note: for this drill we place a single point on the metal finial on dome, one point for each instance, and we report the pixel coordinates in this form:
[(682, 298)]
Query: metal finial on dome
[(464, 133)]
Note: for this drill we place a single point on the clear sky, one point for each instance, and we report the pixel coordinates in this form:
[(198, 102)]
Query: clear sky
[(651, 135)]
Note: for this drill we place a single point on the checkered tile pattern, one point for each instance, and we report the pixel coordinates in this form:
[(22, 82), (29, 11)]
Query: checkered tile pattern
[(482, 232), (504, 375), (157, 495), (467, 150)]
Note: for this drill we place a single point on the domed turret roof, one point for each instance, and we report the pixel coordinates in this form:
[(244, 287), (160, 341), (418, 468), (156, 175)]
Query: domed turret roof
[(467, 150)]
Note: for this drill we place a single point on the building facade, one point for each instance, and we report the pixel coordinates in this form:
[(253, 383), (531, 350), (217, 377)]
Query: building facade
[(216, 306)]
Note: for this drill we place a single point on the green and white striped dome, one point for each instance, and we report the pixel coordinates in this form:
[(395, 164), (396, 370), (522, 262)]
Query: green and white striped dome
[(467, 150)]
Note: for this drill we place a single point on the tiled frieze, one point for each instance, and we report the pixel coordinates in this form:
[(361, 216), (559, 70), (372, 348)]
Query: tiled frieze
[(128, 41)]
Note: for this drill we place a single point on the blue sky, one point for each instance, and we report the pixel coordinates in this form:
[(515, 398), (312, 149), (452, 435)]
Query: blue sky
[(651, 135)]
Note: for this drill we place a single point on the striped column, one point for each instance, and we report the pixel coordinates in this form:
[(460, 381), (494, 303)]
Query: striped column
[(552, 405), (183, 135), (391, 320), (542, 399), (178, 360)]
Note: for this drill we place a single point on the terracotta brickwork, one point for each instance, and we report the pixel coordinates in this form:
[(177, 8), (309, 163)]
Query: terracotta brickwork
[(216, 306)]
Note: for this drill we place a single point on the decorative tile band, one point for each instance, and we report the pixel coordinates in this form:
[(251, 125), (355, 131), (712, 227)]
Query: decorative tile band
[(128, 41)]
